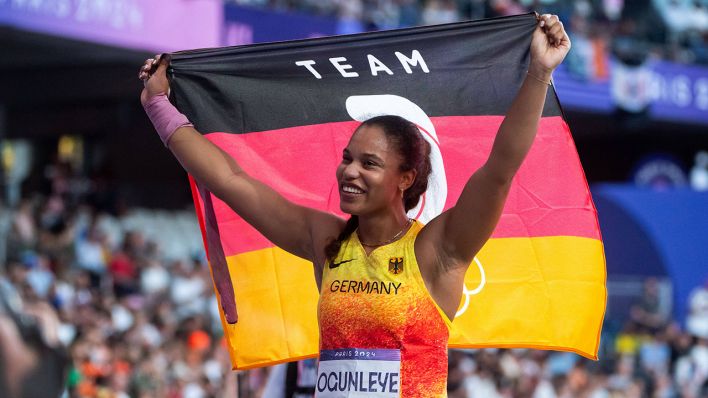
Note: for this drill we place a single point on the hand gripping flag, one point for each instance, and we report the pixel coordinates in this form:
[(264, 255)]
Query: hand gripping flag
[(286, 110)]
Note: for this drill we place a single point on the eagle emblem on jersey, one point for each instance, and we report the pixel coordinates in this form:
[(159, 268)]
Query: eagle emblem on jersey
[(395, 265)]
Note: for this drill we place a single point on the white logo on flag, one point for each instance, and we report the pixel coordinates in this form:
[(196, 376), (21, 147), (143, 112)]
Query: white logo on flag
[(468, 293)]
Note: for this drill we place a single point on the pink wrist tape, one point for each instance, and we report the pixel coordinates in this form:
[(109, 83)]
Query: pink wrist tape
[(164, 116)]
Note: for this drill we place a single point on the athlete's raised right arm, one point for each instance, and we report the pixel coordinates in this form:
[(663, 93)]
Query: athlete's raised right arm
[(297, 229)]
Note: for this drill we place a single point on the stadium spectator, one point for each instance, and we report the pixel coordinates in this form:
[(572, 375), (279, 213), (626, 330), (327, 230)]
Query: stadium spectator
[(647, 312), (697, 322)]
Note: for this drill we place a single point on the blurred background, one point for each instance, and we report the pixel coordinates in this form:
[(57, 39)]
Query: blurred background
[(102, 270)]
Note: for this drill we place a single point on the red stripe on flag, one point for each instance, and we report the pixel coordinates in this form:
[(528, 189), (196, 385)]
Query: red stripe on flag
[(549, 196), (198, 209)]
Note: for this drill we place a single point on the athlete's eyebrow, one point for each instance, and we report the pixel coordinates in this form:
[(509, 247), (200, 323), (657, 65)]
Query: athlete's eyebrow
[(366, 155), (373, 157)]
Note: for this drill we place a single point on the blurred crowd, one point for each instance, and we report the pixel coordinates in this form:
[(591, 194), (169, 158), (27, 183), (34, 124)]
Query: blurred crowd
[(139, 319), (633, 30), (136, 313)]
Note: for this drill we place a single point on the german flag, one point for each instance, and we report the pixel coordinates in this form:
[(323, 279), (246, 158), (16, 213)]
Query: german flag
[(286, 110)]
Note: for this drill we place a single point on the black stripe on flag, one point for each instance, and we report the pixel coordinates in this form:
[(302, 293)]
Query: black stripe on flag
[(467, 68)]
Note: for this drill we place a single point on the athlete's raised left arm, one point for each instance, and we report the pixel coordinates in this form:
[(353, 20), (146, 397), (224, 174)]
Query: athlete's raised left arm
[(458, 234)]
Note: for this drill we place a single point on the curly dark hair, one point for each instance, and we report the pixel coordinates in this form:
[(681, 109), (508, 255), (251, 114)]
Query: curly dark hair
[(415, 152)]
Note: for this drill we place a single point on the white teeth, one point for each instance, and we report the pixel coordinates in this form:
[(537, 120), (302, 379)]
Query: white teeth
[(350, 189)]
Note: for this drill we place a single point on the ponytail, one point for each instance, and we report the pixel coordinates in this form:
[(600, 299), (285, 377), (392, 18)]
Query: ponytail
[(332, 248)]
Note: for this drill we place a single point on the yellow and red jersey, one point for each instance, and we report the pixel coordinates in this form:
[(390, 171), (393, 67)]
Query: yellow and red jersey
[(381, 333)]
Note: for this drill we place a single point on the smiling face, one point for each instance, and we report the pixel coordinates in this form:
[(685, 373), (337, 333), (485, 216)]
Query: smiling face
[(369, 175)]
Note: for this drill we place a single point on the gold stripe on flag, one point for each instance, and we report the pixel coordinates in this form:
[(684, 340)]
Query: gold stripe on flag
[(540, 292)]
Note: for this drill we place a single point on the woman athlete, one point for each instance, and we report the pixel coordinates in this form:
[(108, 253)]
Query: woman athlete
[(389, 286)]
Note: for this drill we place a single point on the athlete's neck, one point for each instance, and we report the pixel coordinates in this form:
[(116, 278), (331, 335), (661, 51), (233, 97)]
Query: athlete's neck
[(381, 228)]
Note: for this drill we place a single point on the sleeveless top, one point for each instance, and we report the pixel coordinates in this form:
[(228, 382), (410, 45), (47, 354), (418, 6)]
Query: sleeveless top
[(381, 333)]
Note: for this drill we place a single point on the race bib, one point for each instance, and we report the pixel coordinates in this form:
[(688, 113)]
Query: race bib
[(356, 372)]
